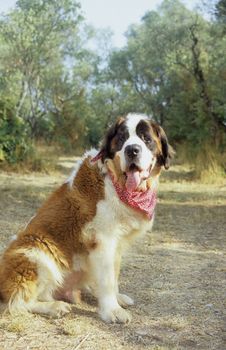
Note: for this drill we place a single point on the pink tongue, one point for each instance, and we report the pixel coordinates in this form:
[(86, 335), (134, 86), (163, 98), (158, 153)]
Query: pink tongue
[(133, 180)]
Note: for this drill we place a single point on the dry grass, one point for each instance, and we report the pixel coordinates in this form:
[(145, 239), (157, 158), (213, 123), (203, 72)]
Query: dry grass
[(207, 164), (42, 159), (176, 274)]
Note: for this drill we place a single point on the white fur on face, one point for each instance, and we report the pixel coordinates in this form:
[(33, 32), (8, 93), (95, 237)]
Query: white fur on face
[(147, 159)]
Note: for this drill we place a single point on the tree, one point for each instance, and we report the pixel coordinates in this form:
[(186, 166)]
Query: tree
[(172, 63), (220, 11), (38, 36), (46, 61)]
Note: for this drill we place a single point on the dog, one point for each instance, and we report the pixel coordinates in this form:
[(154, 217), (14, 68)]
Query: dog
[(77, 237)]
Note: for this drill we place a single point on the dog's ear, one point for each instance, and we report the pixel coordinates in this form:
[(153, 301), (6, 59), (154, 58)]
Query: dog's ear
[(167, 152), (106, 149)]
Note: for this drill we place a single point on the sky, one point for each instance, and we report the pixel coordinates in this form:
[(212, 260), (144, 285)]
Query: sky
[(114, 14)]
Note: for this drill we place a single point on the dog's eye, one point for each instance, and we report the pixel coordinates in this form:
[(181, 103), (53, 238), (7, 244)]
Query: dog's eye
[(147, 139), (121, 137)]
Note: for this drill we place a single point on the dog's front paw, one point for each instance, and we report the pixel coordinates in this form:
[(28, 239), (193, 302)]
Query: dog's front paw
[(118, 315), (124, 300)]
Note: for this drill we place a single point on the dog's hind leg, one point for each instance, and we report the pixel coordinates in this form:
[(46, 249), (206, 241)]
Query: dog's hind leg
[(18, 281), (51, 308), (19, 304), (21, 285)]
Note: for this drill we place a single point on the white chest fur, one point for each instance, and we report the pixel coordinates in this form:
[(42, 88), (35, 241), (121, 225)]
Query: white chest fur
[(113, 227), (114, 219)]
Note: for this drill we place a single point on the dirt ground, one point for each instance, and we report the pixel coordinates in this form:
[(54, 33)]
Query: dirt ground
[(176, 273)]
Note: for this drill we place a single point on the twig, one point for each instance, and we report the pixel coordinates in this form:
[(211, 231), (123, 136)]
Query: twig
[(82, 341)]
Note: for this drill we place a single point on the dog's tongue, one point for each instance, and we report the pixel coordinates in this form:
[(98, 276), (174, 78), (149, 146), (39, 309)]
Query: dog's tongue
[(133, 180)]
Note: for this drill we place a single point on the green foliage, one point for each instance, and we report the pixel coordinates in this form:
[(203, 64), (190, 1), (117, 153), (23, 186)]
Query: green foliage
[(45, 64), (69, 130), (173, 63), (56, 88), (220, 11), (14, 143)]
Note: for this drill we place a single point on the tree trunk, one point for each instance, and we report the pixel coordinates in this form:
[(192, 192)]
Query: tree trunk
[(23, 95), (201, 81)]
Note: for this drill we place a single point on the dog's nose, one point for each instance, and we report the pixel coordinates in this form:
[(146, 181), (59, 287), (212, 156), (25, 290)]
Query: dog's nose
[(133, 151)]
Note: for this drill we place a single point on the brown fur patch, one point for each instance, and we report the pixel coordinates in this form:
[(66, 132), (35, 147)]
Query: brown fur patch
[(119, 122), (17, 273), (56, 230), (155, 136)]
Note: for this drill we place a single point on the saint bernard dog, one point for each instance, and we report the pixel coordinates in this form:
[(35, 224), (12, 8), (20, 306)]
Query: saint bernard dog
[(77, 237)]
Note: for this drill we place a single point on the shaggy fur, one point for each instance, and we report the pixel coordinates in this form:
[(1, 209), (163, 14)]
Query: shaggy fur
[(77, 237)]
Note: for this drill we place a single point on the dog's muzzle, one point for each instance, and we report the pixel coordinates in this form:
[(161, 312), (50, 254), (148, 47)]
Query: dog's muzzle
[(132, 152)]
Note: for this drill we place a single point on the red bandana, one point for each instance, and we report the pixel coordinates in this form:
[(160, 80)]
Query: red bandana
[(97, 157), (142, 201)]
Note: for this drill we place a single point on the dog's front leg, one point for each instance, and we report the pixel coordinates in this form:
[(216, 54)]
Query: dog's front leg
[(123, 299), (102, 268)]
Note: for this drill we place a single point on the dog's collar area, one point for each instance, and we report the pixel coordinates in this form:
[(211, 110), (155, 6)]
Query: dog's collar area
[(144, 202), (97, 157)]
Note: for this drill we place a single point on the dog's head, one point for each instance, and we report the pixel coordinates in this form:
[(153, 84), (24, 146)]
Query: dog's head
[(139, 148)]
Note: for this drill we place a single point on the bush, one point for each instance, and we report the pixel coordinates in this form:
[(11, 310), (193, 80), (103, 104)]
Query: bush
[(15, 145)]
